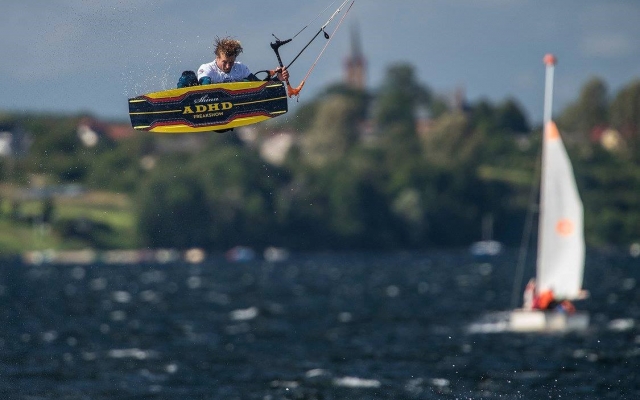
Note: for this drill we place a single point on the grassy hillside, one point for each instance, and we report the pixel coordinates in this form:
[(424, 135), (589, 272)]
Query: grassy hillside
[(90, 219)]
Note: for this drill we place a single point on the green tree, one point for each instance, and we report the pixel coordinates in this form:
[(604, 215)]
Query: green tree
[(510, 117), (120, 167), (396, 105), (625, 114), (241, 190), (334, 130), (173, 211), (589, 111)]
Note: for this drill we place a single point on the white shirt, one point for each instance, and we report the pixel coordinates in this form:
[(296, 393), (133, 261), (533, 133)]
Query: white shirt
[(238, 72)]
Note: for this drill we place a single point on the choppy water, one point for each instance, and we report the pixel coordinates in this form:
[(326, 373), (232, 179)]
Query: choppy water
[(317, 326)]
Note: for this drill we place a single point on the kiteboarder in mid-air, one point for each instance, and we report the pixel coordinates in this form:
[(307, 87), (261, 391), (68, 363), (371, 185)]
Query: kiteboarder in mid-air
[(225, 69), (225, 93)]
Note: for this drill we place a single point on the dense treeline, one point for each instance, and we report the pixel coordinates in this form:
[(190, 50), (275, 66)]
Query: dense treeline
[(398, 168)]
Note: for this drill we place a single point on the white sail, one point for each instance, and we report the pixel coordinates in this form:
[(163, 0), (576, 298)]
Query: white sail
[(561, 250)]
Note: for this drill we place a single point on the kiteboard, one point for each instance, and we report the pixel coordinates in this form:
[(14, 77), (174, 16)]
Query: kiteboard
[(214, 107)]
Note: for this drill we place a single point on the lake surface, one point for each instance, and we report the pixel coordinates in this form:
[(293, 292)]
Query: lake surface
[(315, 326)]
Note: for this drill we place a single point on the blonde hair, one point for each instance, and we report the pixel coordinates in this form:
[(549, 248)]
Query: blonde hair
[(227, 46)]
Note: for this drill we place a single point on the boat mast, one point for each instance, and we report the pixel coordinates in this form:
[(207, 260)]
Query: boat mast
[(550, 62)]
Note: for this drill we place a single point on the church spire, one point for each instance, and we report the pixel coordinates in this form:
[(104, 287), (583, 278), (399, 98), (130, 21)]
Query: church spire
[(355, 63)]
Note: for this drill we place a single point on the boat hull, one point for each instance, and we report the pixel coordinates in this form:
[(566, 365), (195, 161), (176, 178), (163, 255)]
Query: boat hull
[(547, 321)]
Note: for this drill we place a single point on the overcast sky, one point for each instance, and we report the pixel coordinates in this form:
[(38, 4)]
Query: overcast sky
[(91, 55)]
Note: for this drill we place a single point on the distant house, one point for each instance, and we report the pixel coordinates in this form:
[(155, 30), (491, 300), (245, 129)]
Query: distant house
[(274, 148), (90, 130), (14, 140), (608, 137)]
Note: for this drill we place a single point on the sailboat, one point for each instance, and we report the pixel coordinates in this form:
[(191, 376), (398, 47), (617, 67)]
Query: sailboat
[(487, 247), (561, 248)]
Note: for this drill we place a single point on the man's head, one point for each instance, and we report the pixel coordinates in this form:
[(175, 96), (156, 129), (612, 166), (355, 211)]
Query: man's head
[(226, 50)]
